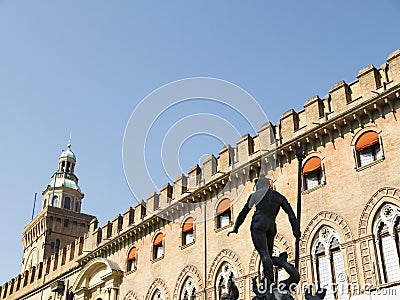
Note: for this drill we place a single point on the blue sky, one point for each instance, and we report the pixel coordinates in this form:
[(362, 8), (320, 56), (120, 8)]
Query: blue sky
[(83, 66)]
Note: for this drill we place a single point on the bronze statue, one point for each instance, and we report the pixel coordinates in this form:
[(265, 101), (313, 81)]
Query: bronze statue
[(233, 289), (263, 226)]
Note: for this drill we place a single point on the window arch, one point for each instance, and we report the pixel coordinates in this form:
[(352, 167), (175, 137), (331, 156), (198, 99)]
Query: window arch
[(131, 261), (368, 148), (222, 284), (188, 290), (386, 231), (312, 173), (67, 203), (223, 213), (188, 231), (158, 246), (328, 264)]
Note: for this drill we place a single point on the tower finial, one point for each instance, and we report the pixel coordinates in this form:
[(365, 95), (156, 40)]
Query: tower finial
[(69, 140)]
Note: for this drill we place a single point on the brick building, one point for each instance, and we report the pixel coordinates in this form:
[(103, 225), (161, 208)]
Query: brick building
[(174, 245)]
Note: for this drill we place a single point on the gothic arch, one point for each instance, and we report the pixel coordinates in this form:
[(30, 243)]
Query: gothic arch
[(281, 240), (324, 218), (385, 194), (228, 255), (231, 257), (342, 229), (192, 271), (158, 283), (131, 295)]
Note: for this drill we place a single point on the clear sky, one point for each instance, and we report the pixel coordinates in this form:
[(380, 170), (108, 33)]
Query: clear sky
[(83, 66)]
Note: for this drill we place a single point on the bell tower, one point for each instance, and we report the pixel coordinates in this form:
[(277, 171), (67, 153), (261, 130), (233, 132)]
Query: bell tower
[(60, 221), (63, 190)]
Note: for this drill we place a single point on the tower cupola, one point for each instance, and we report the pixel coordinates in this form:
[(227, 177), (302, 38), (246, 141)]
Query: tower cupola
[(63, 190), (67, 160)]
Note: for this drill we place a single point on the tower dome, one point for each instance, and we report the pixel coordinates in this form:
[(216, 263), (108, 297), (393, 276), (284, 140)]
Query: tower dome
[(68, 152), (63, 190)]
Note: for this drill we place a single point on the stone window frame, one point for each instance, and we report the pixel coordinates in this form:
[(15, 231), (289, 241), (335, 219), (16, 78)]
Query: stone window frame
[(357, 165), (128, 266), (65, 202), (386, 225), (217, 227), (154, 248), (323, 172), (325, 235), (182, 234)]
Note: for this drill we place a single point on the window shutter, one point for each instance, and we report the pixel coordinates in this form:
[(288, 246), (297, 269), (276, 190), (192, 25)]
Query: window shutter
[(366, 140), (188, 226), (132, 254), (158, 240), (223, 206), (311, 165)]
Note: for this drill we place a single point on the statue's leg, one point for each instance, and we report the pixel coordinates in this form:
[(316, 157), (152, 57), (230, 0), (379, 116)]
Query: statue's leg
[(270, 239), (260, 243)]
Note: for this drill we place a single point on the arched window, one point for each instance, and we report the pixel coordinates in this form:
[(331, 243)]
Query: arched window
[(368, 148), (33, 259), (224, 213), (57, 246), (158, 247), (67, 203), (386, 231), (189, 290), (55, 201), (158, 295), (222, 286), (328, 263), (312, 173), (77, 206), (68, 167), (131, 260), (188, 232)]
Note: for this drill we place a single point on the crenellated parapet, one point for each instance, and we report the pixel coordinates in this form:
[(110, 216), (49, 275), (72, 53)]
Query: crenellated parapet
[(371, 82), (46, 271), (321, 121), (347, 106)]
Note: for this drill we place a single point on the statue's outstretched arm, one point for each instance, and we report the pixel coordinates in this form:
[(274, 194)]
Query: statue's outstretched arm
[(292, 217), (241, 217)]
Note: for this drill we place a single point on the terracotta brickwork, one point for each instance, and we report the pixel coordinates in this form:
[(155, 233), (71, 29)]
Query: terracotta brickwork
[(346, 199)]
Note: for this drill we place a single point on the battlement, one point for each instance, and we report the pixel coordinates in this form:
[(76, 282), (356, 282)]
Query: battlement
[(322, 120), (54, 266), (292, 128)]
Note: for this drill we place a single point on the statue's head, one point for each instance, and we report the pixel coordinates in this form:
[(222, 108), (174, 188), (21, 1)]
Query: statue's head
[(263, 183)]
